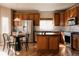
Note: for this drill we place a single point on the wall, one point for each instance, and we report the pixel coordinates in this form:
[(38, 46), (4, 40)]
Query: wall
[(5, 12), (46, 14), (0, 24)]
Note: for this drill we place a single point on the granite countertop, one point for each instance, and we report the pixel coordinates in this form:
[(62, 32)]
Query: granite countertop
[(59, 29), (47, 33)]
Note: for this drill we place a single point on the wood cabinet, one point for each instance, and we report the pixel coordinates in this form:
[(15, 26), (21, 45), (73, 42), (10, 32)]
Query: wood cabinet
[(75, 41), (42, 42), (36, 19), (53, 42), (67, 14), (25, 16), (56, 18), (73, 11), (20, 16), (15, 16), (48, 42), (28, 16), (31, 16), (62, 19)]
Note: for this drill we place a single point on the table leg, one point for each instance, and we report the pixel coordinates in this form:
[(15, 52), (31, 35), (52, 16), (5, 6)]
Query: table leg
[(18, 44)]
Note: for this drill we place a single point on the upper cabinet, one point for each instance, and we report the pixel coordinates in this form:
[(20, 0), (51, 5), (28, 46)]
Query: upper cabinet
[(73, 11), (58, 19), (24, 16), (36, 19), (61, 18), (66, 16), (67, 12), (31, 16), (28, 16)]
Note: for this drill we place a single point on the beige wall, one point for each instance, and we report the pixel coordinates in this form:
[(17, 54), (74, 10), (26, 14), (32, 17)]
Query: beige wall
[(46, 14), (5, 12), (0, 24)]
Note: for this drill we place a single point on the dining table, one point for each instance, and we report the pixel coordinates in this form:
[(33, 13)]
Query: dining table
[(17, 40)]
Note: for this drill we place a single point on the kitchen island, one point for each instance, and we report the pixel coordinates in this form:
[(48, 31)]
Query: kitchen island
[(48, 42), (50, 39)]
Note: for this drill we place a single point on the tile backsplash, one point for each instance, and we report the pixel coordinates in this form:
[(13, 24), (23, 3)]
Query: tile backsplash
[(61, 28)]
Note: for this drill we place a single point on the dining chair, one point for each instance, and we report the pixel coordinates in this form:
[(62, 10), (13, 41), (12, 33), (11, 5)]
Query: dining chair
[(8, 41), (25, 40)]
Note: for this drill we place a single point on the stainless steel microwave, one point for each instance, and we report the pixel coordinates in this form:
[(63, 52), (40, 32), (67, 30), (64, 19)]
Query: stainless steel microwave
[(72, 21)]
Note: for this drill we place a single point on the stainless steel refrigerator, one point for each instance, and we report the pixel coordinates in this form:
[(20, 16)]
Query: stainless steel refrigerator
[(27, 26)]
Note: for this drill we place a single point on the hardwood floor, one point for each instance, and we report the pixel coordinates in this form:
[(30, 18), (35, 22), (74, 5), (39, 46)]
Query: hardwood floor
[(32, 51)]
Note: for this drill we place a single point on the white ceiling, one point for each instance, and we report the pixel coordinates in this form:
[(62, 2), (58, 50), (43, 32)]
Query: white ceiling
[(37, 6)]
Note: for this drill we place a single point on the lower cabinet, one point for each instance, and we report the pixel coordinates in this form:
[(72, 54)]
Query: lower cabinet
[(53, 42), (42, 42), (75, 41), (47, 42)]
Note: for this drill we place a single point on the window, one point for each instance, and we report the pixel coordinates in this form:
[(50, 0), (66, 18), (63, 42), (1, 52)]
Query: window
[(5, 25), (46, 24)]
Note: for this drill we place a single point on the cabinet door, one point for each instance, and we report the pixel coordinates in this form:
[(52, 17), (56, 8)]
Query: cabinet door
[(65, 18), (53, 42), (57, 19), (78, 14), (42, 42), (16, 15), (36, 19), (74, 43), (62, 19), (77, 42), (31, 16), (67, 14), (20, 16), (73, 12), (25, 16)]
